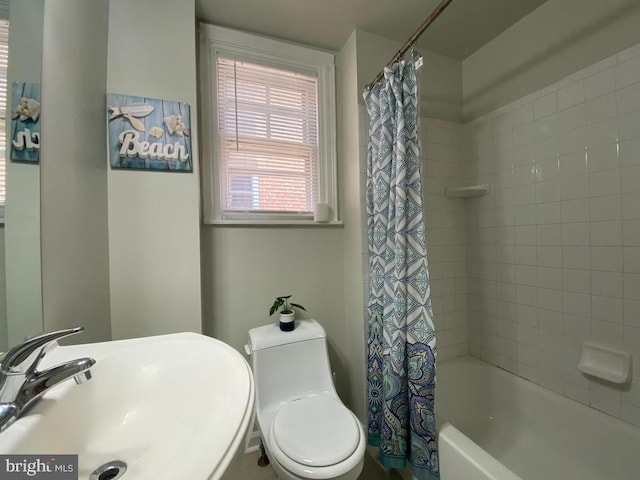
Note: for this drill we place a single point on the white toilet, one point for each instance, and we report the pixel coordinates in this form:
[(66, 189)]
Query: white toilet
[(307, 431)]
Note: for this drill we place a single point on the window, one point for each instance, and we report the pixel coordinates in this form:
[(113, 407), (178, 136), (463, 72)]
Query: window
[(269, 131), (4, 55)]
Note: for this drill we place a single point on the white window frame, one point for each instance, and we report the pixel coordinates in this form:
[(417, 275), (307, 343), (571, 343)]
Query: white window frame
[(279, 54)]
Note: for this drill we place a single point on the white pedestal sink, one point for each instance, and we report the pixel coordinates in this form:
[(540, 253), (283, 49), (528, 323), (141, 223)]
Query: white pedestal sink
[(172, 407)]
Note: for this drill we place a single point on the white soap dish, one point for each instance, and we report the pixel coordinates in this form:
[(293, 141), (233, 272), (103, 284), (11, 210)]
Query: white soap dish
[(468, 191), (605, 363)]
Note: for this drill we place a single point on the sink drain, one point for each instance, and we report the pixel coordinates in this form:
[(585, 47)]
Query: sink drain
[(109, 471)]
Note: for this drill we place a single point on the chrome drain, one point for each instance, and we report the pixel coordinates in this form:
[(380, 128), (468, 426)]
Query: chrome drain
[(109, 471)]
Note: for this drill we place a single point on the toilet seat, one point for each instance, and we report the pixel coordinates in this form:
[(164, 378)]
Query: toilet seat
[(316, 431)]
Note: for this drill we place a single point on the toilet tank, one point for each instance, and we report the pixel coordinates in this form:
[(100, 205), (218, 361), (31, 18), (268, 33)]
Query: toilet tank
[(289, 365)]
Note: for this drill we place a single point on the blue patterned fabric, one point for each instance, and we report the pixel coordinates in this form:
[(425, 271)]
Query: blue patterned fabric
[(401, 338)]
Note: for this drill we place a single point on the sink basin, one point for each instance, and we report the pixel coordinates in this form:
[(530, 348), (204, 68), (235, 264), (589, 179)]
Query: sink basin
[(171, 407)]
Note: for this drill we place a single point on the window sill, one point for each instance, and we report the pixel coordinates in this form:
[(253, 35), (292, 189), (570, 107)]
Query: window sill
[(272, 223)]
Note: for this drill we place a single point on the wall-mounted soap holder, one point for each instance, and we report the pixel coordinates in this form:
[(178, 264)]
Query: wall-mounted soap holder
[(605, 362), (468, 191)]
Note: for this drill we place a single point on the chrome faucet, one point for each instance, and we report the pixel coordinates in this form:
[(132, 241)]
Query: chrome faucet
[(22, 385)]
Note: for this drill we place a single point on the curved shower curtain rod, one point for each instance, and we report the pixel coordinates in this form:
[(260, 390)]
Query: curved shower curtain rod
[(409, 43)]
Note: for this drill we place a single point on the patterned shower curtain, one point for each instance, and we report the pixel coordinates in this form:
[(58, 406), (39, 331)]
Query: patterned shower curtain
[(401, 338)]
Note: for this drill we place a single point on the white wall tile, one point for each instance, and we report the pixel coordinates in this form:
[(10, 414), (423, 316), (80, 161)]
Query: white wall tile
[(571, 118), (604, 183), (628, 98), (549, 234), (631, 233), (605, 399), (606, 332), (575, 234), (602, 133), (631, 206), (576, 326), (570, 95), (606, 284), (603, 157), (576, 303), (601, 108), (553, 253), (607, 259), (572, 141), (606, 309), (575, 210), (631, 313), (631, 259), (630, 179), (574, 187), (627, 73), (629, 152), (605, 208), (629, 126), (545, 148), (551, 321), (545, 105), (548, 213), (550, 277), (606, 233), (545, 127), (577, 257), (578, 281), (550, 299), (527, 315), (599, 84), (521, 114), (573, 165), (547, 170)]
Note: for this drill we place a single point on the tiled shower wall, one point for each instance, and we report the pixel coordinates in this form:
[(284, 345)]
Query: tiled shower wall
[(554, 249), (444, 166)]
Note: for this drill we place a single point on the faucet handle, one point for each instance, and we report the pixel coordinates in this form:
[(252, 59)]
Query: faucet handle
[(21, 353)]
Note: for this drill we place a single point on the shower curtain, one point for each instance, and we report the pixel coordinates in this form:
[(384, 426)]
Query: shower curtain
[(401, 337)]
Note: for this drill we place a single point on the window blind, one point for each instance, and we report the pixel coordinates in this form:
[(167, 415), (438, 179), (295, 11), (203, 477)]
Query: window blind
[(268, 138)]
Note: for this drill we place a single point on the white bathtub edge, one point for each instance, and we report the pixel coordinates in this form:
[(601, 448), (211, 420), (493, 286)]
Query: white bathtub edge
[(462, 459)]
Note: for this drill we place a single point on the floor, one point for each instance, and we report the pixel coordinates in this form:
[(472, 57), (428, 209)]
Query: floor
[(246, 468)]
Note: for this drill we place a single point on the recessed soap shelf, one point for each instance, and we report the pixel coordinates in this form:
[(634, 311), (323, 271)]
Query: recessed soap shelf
[(468, 191)]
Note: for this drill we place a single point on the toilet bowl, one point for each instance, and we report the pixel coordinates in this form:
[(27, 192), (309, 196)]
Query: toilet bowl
[(307, 431)]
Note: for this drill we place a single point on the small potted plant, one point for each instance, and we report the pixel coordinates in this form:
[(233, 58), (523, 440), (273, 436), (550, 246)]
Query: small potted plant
[(287, 312)]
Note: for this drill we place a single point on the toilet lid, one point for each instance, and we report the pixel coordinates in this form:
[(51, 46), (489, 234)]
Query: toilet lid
[(316, 431)]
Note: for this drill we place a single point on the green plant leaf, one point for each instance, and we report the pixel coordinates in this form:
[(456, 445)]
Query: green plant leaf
[(278, 302), (298, 306)]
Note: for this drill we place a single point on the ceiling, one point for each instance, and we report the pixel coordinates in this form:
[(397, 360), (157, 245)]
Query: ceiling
[(464, 27)]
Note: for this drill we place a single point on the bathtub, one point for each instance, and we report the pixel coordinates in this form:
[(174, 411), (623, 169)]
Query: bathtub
[(494, 425)]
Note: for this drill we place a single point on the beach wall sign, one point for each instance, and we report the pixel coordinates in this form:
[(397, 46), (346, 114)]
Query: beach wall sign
[(25, 122), (149, 134)]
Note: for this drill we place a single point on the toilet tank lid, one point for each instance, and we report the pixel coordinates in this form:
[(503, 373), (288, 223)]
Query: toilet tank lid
[(271, 336)]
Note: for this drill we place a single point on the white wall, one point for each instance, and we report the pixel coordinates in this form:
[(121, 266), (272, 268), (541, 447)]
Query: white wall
[(351, 194), (154, 237), (555, 248), (556, 39), (75, 250), (441, 77), (22, 212)]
